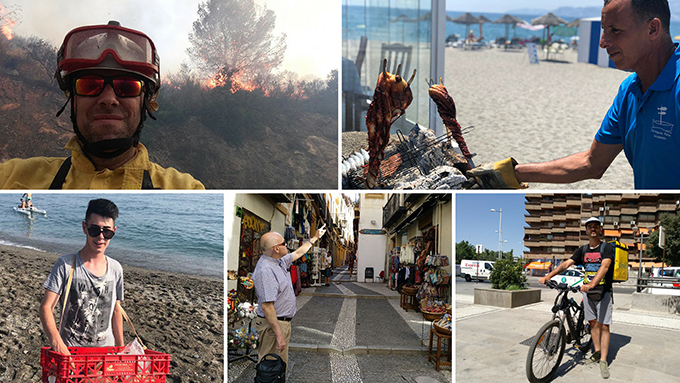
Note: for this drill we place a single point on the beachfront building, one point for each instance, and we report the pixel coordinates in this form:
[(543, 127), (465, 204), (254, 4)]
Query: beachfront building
[(406, 32), (555, 222)]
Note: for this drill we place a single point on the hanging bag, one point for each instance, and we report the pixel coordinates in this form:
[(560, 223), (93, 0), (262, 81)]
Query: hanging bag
[(270, 370)]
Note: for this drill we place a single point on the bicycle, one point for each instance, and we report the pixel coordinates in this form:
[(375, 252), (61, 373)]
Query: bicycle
[(547, 347)]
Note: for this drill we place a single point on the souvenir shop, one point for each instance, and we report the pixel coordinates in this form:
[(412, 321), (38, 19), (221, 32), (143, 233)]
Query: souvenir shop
[(297, 219)]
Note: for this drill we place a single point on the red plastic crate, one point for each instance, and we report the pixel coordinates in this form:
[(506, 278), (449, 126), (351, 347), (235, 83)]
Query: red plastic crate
[(102, 365)]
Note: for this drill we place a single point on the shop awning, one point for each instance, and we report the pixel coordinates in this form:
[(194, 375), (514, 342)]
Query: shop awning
[(647, 264), (538, 265)]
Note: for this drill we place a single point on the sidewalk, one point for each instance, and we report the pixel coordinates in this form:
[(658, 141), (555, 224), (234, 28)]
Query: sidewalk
[(354, 332), (492, 343)]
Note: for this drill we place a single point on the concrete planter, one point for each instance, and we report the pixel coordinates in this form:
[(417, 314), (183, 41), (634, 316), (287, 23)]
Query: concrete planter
[(656, 302), (505, 298)]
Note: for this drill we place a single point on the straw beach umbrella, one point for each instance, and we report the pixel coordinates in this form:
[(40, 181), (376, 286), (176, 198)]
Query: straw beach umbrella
[(466, 19), (507, 20), (482, 19), (549, 20)]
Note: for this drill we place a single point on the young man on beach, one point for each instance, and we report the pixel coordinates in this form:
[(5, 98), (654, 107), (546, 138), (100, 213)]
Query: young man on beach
[(644, 119), (275, 292), (111, 76), (89, 286), (597, 259)]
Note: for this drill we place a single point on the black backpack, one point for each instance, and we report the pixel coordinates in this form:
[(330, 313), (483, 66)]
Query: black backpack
[(270, 371)]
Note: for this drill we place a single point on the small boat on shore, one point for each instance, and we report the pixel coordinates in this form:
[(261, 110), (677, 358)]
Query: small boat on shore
[(29, 210)]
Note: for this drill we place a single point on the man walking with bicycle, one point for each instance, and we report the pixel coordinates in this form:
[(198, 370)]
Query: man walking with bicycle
[(596, 258)]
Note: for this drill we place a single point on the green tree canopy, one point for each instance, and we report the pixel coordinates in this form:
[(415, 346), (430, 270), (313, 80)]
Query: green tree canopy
[(672, 224), (465, 250), (235, 38)]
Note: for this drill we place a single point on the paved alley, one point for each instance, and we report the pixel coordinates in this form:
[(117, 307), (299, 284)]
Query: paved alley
[(354, 332)]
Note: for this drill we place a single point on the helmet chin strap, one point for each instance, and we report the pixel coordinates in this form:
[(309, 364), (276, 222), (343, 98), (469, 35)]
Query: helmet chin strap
[(110, 148)]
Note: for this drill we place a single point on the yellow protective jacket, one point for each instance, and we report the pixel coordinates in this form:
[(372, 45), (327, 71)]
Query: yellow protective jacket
[(39, 172)]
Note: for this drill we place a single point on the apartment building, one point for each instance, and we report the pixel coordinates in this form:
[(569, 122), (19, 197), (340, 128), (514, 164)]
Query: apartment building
[(554, 222)]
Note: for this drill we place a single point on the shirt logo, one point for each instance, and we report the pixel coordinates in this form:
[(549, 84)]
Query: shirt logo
[(662, 129)]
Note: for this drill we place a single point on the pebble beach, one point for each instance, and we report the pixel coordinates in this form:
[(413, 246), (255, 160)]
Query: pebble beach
[(178, 314)]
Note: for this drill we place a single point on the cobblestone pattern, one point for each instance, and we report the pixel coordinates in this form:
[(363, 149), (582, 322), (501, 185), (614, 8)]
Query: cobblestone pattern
[(414, 320), (332, 289), (345, 368), (315, 322), (400, 368), (309, 367), (373, 327), (359, 290), (301, 301), (380, 288), (345, 331), (345, 291)]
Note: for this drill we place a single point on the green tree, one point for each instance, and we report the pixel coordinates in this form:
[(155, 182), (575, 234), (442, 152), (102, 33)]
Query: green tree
[(672, 224), (508, 274), (235, 38), (465, 250)]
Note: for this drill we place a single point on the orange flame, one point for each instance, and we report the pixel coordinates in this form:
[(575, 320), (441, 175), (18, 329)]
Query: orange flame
[(6, 23), (169, 84)]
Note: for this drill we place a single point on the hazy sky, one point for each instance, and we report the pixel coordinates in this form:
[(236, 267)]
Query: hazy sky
[(502, 6), (313, 35)]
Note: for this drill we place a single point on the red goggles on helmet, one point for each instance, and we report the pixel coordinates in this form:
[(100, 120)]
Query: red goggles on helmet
[(87, 48)]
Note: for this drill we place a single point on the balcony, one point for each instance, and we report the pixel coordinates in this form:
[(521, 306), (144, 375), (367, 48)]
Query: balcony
[(393, 210)]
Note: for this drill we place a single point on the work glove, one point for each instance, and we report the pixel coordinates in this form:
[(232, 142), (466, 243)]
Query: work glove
[(499, 175)]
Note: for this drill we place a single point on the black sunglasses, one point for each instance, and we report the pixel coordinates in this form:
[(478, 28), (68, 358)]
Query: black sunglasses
[(123, 86), (94, 231)]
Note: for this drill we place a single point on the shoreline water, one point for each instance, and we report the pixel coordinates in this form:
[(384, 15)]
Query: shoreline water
[(174, 313), (131, 258)]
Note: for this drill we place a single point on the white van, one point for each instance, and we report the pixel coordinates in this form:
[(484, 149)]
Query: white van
[(479, 270)]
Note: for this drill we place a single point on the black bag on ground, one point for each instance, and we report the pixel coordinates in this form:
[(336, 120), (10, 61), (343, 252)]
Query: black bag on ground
[(270, 370)]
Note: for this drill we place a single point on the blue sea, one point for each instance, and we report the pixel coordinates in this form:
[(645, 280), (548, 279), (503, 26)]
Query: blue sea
[(176, 232), (383, 24)]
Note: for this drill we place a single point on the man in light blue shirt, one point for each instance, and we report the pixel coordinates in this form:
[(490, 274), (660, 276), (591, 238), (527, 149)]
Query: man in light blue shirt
[(275, 294)]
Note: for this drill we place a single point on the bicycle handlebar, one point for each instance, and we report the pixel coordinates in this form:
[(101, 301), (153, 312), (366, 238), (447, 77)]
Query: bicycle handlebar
[(562, 286)]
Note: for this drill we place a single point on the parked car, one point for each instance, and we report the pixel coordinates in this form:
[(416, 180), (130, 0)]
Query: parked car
[(571, 277)]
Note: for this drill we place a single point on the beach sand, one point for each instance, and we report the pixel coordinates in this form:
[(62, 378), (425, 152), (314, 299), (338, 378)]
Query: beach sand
[(173, 313), (531, 112)]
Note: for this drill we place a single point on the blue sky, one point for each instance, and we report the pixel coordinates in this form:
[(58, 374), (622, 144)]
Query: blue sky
[(477, 224)]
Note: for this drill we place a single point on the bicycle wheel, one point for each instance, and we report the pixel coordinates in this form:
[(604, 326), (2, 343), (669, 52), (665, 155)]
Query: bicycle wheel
[(545, 353), (585, 339)]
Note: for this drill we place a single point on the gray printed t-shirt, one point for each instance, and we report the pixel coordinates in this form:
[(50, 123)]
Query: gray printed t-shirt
[(89, 308)]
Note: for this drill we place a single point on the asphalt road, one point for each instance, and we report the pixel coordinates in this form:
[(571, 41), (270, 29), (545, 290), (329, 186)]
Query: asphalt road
[(468, 288)]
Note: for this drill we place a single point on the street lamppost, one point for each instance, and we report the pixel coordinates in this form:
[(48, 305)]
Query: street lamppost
[(500, 231), (642, 242)]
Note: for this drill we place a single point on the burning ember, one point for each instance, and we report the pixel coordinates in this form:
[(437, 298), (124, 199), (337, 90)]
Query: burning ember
[(7, 22), (240, 82)]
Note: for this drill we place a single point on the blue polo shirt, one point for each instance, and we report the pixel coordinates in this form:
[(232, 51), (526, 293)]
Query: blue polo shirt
[(648, 126), (273, 284)]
